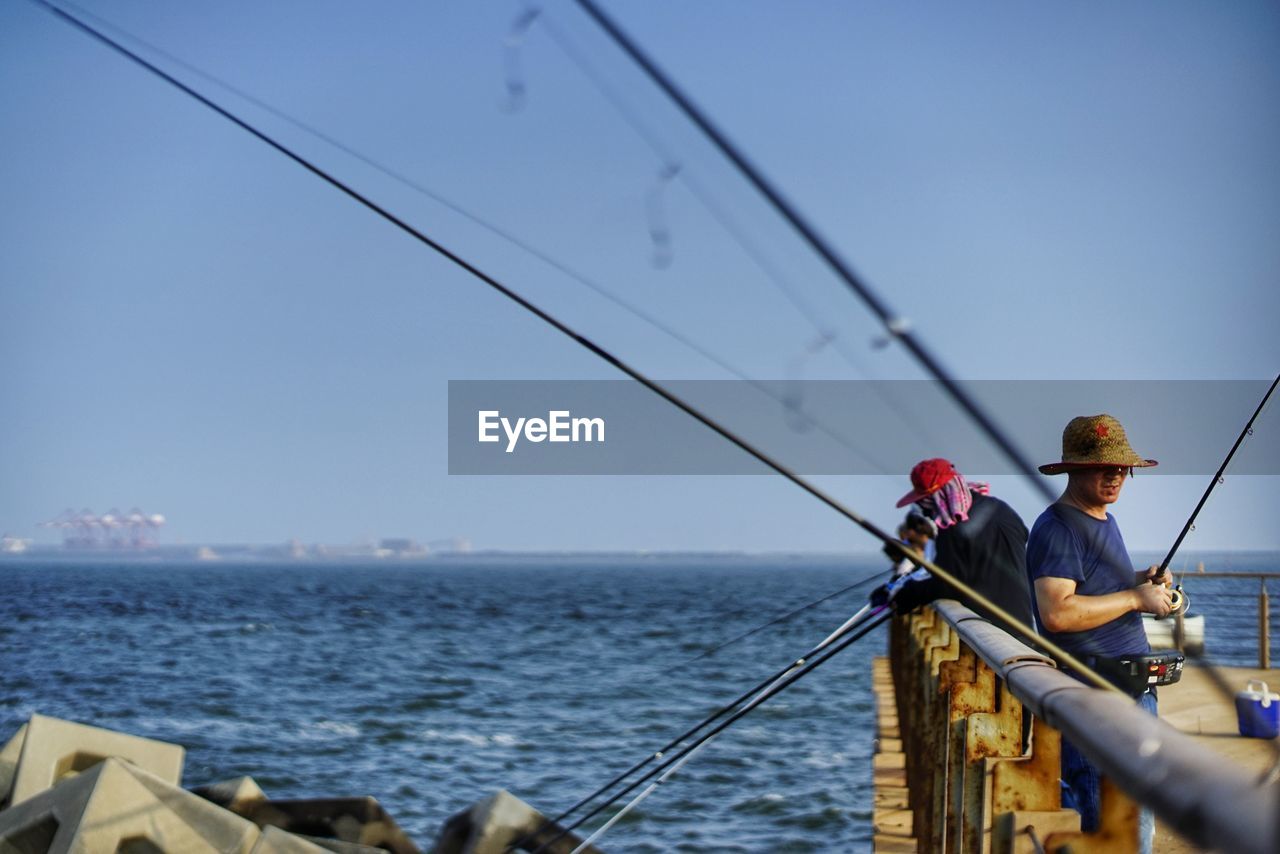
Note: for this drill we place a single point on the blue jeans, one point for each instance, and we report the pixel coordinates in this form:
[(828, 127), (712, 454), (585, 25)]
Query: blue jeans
[(1080, 787)]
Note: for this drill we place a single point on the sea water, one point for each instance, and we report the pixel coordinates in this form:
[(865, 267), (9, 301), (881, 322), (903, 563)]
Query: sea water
[(431, 684)]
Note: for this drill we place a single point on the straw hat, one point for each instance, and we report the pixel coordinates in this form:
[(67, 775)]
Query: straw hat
[(1091, 441)]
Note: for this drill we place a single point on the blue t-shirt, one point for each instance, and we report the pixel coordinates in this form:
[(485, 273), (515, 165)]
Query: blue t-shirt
[(1068, 543)]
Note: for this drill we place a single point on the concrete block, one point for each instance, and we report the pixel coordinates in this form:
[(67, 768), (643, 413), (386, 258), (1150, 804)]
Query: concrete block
[(341, 847), (53, 750), (9, 763), (360, 820), (273, 840), (234, 794), (223, 828), (114, 806), (497, 824)]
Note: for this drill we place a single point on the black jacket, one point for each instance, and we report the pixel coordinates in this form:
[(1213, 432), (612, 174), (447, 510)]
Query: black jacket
[(988, 551)]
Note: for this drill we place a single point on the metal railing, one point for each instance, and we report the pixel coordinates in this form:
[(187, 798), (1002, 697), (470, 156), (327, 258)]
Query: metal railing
[(1264, 607), (982, 716)]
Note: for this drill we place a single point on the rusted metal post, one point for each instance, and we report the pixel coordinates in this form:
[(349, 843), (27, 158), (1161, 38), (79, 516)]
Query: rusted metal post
[(969, 686), (997, 733), (938, 692), (1264, 627), (914, 710), (1117, 826), (1026, 795)]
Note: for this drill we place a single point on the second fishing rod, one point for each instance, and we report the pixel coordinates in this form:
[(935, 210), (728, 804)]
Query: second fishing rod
[(950, 579), (726, 709), (855, 628), (1181, 602)]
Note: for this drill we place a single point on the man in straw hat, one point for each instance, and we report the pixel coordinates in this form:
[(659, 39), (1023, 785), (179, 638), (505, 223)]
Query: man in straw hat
[(1089, 597), (981, 540)]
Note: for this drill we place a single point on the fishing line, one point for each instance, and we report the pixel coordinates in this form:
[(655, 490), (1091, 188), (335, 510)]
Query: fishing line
[(511, 46), (731, 227), (657, 388), (788, 676), (669, 160), (785, 404), (656, 211), (897, 326), (780, 619)]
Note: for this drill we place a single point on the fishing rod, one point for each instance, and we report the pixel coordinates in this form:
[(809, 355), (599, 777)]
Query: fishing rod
[(780, 619), (865, 621), (688, 753), (872, 607), (566, 330), (712, 718), (554, 263), (895, 325), (1181, 601), (718, 212), (960, 587), (948, 578)]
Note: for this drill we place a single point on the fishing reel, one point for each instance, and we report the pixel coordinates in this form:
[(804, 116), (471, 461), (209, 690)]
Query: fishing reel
[(1181, 602)]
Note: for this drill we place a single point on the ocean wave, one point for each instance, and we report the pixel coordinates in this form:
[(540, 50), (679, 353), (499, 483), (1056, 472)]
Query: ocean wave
[(826, 760), (771, 803), (429, 700), (753, 734), (474, 739), (326, 729), (824, 819)]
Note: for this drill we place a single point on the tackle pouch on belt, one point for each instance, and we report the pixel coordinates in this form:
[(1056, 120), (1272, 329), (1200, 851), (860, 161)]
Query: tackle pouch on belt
[(1134, 674)]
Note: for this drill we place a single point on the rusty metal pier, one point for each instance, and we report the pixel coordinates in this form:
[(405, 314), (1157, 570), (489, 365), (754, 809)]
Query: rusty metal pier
[(970, 722)]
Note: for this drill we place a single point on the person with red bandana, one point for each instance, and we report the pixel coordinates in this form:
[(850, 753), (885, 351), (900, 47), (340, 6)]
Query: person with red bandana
[(981, 540)]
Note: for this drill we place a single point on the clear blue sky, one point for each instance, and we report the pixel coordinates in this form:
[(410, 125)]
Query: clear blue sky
[(193, 325)]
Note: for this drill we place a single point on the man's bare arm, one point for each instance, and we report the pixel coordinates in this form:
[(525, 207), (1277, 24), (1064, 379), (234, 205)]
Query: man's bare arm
[(1063, 610)]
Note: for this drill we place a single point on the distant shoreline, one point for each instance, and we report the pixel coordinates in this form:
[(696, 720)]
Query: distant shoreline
[(237, 554)]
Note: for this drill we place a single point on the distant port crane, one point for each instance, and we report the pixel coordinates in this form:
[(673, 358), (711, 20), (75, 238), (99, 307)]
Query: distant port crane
[(112, 530)]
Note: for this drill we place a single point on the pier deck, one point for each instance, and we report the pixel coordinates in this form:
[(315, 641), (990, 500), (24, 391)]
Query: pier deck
[(892, 831)]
